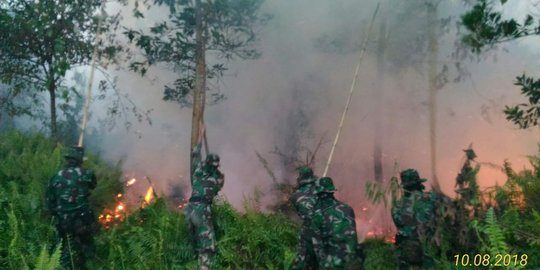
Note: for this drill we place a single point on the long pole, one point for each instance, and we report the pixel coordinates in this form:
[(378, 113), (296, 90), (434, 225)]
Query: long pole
[(362, 52), (433, 52), (91, 80)]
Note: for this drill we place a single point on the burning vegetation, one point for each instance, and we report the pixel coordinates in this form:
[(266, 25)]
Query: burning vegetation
[(116, 215), (110, 217)]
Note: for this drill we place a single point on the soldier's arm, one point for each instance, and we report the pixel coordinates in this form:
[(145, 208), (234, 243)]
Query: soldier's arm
[(196, 156), (221, 180), (90, 178), (318, 241)]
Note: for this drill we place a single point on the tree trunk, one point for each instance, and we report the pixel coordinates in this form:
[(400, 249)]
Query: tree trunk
[(377, 144), (200, 77), (51, 87), (433, 54)]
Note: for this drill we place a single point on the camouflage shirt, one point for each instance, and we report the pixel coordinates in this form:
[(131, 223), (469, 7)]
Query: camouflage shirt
[(69, 189), (335, 238), (414, 214), (206, 181), (304, 199)]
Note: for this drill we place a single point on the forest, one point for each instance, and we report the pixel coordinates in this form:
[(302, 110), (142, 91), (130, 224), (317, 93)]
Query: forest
[(357, 90)]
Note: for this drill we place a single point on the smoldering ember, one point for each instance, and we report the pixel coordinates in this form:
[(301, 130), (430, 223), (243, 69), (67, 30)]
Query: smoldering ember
[(269, 134)]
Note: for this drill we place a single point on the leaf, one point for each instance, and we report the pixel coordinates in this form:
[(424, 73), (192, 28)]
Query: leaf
[(137, 14)]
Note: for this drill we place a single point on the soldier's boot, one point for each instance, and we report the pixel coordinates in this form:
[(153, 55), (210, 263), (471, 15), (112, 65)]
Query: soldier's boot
[(205, 260)]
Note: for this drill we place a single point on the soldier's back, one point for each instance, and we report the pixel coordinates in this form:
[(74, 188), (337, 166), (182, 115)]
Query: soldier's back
[(304, 199), (335, 221), (206, 184), (69, 190)]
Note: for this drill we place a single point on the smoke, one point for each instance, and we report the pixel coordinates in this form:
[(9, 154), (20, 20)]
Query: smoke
[(296, 92)]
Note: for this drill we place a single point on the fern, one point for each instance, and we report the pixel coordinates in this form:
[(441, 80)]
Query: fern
[(46, 261)]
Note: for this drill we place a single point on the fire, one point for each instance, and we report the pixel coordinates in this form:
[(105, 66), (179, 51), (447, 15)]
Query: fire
[(149, 195), (183, 204), (388, 236), (131, 182), (120, 207), (109, 217)]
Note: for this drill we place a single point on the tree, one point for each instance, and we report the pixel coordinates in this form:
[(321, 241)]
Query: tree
[(486, 28), (404, 41), (41, 41), (195, 29)]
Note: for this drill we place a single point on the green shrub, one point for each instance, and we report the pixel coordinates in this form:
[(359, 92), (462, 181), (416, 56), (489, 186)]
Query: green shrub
[(156, 237), (27, 162)]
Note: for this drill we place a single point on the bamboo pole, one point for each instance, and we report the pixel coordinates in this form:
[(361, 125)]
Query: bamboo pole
[(362, 52), (433, 53), (91, 79)]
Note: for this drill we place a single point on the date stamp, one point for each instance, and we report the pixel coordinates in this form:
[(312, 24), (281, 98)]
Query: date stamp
[(499, 260)]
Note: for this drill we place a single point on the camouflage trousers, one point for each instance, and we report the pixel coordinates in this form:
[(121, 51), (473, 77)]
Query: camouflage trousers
[(336, 261), (76, 233), (305, 255), (409, 253), (199, 217)]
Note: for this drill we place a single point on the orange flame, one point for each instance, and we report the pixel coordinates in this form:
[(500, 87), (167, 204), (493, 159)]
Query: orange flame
[(113, 216), (131, 182), (183, 204), (149, 195), (120, 207)]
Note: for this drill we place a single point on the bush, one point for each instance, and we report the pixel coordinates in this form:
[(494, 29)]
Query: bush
[(27, 162), (156, 237)]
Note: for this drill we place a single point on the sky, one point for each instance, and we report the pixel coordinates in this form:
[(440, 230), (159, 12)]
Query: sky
[(295, 93)]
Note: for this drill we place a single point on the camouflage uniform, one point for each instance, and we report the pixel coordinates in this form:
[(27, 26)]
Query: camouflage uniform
[(414, 217), (335, 239), (206, 182), (67, 198), (304, 199)]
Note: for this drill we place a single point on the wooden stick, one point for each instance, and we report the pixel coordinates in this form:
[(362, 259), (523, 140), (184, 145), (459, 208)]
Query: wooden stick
[(205, 140), (91, 80), (362, 52)]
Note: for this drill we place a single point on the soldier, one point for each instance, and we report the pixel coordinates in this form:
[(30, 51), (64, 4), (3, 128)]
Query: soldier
[(67, 198), (206, 182), (335, 239), (414, 217), (304, 199)]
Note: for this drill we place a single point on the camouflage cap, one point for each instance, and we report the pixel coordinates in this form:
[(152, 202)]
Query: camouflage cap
[(74, 152), (471, 155), (326, 184), (304, 172), (410, 177)]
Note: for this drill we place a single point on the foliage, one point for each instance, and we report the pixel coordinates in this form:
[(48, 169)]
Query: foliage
[(27, 161), (156, 237), (526, 115), (486, 28), (42, 40), (229, 33), (377, 193), (377, 254), (525, 185), (494, 234)]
